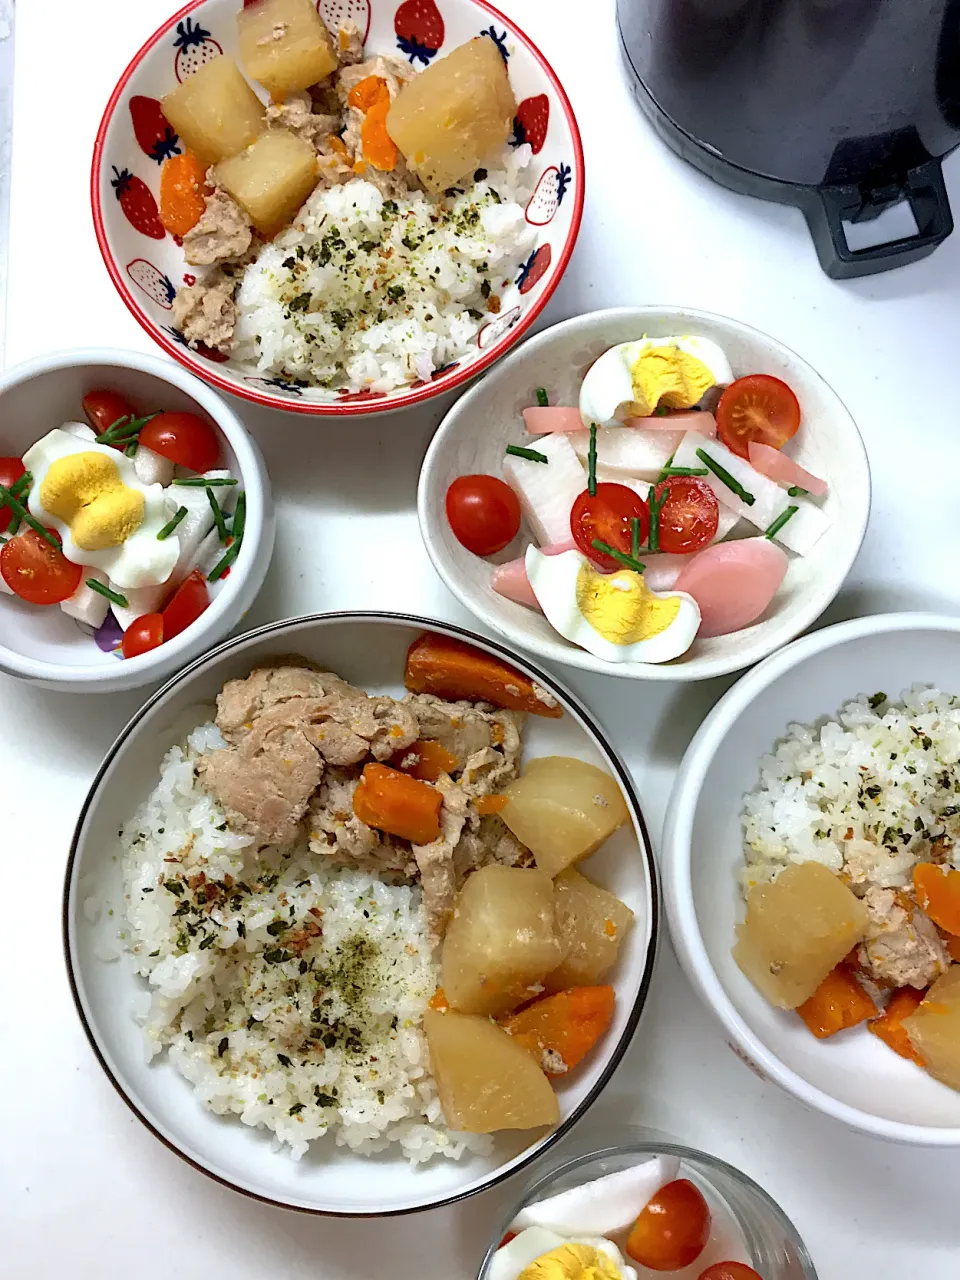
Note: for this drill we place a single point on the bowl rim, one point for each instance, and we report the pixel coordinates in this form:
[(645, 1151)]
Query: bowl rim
[(430, 507), (678, 880), (569, 699), (350, 408), (251, 473)]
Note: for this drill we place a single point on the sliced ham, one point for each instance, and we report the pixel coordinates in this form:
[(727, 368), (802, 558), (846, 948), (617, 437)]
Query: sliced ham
[(778, 467), (510, 580), (733, 582), (543, 420), (698, 420)]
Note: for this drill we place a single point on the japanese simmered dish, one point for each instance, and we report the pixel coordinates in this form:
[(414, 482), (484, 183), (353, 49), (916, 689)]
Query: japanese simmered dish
[(357, 232), (665, 506), (358, 915), (851, 877)]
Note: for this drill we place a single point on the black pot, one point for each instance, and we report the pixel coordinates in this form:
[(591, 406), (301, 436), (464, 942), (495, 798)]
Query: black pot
[(841, 107)]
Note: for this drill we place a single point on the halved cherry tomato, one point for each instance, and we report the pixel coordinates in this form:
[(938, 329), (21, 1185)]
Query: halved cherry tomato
[(484, 513), (184, 438), (11, 469), (186, 606), (672, 1228), (758, 408), (689, 516), (37, 572), (142, 635), (607, 516), (729, 1271), (104, 408)]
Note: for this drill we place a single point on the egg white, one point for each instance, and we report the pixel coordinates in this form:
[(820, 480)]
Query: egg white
[(554, 583), (510, 1259), (606, 392), (141, 560)]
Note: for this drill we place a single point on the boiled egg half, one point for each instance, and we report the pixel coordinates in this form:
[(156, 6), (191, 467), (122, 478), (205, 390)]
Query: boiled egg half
[(105, 516), (539, 1254), (634, 379), (612, 615)]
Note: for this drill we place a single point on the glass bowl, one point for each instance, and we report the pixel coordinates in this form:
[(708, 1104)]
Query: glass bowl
[(746, 1225)]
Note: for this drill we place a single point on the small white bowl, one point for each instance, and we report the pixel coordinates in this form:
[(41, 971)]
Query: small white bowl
[(43, 645), (474, 434), (854, 1078), (370, 650)]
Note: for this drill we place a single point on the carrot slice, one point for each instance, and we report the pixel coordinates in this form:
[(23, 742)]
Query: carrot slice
[(486, 805), (425, 759), (390, 801), (439, 1000), (368, 91), (839, 1002), (889, 1026), (448, 668), (559, 1031), (182, 192), (953, 948), (938, 894)]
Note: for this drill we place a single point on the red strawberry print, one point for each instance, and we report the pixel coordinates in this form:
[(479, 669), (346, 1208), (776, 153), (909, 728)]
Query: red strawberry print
[(195, 47), (419, 29), (534, 268), (137, 202), (492, 332), (158, 287), (336, 13), (344, 397), (531, 121), (152, 129)]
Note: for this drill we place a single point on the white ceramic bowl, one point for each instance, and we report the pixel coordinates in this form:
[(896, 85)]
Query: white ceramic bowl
[(147, 268), (370, 650), (854, 1078), (474, 434), (43, 645)]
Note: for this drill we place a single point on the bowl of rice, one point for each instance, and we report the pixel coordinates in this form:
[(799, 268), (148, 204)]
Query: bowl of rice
[(379, 294), (841, 750), (196, 997)]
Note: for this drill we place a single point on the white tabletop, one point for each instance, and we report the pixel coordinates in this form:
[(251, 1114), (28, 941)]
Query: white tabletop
[(85, 1191)]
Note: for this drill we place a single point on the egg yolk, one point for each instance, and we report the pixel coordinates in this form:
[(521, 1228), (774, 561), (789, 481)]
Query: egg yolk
[(670, 377), (621, 607), (572, 1262), (85, 491)]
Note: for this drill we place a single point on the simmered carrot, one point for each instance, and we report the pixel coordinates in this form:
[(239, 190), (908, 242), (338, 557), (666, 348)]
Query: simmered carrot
[(487, 805), (181, 192), (450, 669), (372, 97), (889, 1026), (439, 1000), (559, 1031), (390, 801), (425, 759), (953, 948), (839, 1002), (368, 91), (938, 894)]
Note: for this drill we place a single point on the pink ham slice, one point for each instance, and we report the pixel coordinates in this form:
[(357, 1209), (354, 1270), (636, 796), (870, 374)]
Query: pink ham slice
[(778, 467), (733, 582), (542, 421), (698, 420), (510, 580)]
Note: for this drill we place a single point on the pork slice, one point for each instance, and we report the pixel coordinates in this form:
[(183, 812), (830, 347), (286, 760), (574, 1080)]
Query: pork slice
[(223, 232), (488, 840), (286, 676), (349, 44), (206, 312), (435, 861), (902, 947), (336, 833), (296, 113), (395, 71)]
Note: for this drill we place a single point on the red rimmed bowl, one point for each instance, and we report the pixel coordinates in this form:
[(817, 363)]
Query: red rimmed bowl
[(147, 265)]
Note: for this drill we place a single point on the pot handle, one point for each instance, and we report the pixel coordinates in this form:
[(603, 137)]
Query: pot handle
[(827, 207)]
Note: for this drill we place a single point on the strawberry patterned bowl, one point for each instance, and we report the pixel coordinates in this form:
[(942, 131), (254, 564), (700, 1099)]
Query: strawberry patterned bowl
[(148, 265)]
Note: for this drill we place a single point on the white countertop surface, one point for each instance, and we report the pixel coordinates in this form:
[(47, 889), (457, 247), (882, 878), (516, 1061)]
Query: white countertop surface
[(85, 1191)]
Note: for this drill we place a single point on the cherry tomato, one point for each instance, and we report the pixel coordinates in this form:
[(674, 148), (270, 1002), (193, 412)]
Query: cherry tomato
[(607, 517), (758, 408), (688, 517), (672, 1228), (729, 1271), (142, 635), (484, 513), (37, 572), (104, 408), (184, 438), (186, 606), (11, 469)]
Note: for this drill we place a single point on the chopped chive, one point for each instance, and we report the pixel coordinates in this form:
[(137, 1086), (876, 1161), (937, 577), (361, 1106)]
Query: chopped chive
[(666, 468), (635, 537), (218, 519), (723, 474), (236, 530), (22, 514), (123, 429), (592, 462), (681, 471), (773, 529), (628, 562), (655, 504), (530, 454), (542, 400), (202, 482), (20, 487), (169, 527), (113, 596), (796, 492), (131, 450)]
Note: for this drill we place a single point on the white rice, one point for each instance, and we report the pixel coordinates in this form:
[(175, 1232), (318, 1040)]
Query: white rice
[(232, 1004), (367, 293), (868, 792)]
